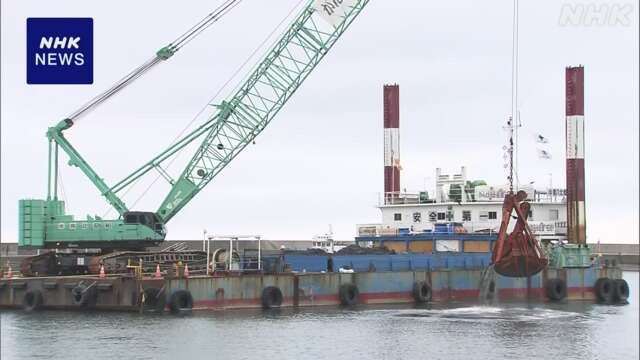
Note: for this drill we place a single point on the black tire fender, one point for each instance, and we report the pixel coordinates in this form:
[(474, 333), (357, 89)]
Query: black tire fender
[(422, 292), (556, 289), (83, 295), (605, 290), (155, 300), (271, 297), (621, 293), (180, 301), (33, 300), (349, 294)]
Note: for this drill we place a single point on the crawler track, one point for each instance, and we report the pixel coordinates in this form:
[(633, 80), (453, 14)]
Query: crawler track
[(55, 264)]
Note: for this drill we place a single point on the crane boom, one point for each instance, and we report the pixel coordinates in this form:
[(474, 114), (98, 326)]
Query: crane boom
[(244, 115)]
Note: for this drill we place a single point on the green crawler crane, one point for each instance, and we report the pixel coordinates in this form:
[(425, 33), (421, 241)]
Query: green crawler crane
[(235, 124)]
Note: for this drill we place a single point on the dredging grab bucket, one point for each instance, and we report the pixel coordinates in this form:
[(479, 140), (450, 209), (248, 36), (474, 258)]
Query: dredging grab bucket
[(519, 254)]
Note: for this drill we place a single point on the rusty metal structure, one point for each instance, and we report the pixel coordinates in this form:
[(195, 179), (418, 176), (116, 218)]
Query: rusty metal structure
[(519, 254), (52, 263)]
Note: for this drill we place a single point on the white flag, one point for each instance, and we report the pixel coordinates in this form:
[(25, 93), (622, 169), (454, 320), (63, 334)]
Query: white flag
[(541, 139), (544, 154)]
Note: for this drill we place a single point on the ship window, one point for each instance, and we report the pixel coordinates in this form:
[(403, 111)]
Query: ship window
[(466, 215), (442, 216), (96, 226), (60, 226), (85, 226), (493, 215), (107, 226), (417, 217), (72, 226), (554, 214), (397, 217)]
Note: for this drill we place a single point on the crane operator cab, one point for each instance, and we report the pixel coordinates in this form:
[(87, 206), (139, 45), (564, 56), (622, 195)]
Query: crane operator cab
[(145, 218)]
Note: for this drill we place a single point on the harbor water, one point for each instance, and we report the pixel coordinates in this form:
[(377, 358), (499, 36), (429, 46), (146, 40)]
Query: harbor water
[(573, 330)]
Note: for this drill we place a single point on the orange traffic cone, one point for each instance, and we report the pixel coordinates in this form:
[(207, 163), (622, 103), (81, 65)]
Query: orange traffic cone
[(158, 273), (102, 274), (9, 272), (186, 270)]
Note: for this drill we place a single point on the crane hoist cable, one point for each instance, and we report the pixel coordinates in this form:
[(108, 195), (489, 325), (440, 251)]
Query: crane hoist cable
[(161, 55), (63, 193), (198, 28), (209, 102)]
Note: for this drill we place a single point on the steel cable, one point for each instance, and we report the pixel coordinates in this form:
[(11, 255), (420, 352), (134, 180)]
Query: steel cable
[(182, 40), (197, 29)]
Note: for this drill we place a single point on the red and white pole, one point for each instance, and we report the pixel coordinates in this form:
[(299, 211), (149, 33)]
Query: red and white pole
[(391, 98), (576, 219)]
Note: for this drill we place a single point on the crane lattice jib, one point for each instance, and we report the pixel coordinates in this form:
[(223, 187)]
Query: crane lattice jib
[(244, 115)]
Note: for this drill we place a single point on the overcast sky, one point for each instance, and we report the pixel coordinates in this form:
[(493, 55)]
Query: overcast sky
[(320, 161)]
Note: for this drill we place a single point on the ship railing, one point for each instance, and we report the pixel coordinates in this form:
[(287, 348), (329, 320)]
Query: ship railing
[(376, 230), (412, 198), (549, 228), (251, 264)]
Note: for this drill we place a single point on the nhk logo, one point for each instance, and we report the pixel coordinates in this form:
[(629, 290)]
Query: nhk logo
[(59, 51)]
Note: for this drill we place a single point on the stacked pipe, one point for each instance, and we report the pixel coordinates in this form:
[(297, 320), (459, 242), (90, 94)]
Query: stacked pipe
[(576, 224), (391, 99)]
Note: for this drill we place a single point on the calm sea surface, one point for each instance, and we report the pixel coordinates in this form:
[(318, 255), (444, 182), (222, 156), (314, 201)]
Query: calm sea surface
[(457, 331)]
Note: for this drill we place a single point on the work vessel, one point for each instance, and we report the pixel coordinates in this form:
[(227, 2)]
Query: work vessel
[(97, 263)]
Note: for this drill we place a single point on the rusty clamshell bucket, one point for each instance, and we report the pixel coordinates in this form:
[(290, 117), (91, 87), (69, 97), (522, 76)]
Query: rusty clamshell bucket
[(519, 254)]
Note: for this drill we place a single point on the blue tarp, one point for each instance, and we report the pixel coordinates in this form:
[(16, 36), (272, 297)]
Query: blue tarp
[(399, 262), (409, 262), (309, 263)]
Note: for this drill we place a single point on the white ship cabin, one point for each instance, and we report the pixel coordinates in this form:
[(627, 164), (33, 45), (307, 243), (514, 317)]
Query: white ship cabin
[(328, 244), (470, 206)]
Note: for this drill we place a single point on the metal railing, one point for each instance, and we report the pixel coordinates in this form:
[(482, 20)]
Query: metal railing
[(409, 198), (471, 227), (232, 261)]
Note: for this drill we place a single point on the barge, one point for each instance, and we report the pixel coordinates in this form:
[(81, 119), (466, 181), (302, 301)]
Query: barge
[(372, 279), (445, 263)]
